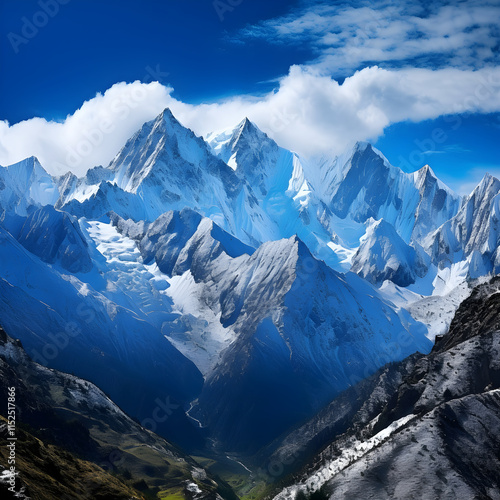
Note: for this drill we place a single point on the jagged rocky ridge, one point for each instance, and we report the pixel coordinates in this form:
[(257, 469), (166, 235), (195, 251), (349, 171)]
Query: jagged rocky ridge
[(428, 427), (473, 234), (383, 255), (266, 193)]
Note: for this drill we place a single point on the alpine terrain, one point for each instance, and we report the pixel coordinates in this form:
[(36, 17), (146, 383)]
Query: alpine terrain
[(224, 317)]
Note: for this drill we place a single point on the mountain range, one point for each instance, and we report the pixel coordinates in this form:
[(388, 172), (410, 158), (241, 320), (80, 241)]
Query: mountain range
[(242, 286)]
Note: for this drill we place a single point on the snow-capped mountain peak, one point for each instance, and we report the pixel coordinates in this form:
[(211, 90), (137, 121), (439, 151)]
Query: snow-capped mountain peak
[(425, 176), (26, 185), (488, 184), (211, 270), (291, 311), (475, 228), (160, 142), (244, 148), (364, 185), (383, 255)]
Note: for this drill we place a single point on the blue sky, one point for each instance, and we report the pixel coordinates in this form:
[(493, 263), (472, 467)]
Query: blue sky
[(316, 76), (91, 44)]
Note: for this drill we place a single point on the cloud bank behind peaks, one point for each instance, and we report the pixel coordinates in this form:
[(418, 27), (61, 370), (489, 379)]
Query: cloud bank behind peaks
[(309, 113), (91, 136)]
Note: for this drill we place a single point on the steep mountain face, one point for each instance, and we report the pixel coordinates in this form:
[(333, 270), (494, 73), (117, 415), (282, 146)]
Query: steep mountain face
[(168, 161), (72, 327), (275, 174), (56, 237), (272, 326), (164, 166), (75, 415), (202, 272), (302, 333), (259, 191), (437, 203), (279, 183), (476, 315), (240, 288), (25, 186), (366, 185), (437, 431), (352, 409), (258, 162), (383, 255), (251, 154), (473, 234)]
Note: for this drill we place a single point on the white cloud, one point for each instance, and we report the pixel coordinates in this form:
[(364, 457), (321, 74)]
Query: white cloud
[(345, 37), (308, 113), (90, 136)]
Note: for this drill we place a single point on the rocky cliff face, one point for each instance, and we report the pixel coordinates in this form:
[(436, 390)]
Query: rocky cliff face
[(435, 433)]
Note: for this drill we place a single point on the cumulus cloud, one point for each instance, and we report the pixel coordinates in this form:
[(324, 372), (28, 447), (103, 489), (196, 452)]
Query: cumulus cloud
[(346, 37), (91, 136), (308, 113)]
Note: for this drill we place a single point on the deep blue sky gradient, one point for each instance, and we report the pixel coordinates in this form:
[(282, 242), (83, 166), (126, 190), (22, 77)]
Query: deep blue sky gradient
[(468, 142), (92, 44)]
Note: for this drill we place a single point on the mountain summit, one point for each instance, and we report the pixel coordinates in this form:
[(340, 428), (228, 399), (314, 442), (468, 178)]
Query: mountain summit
[(243, 283)]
